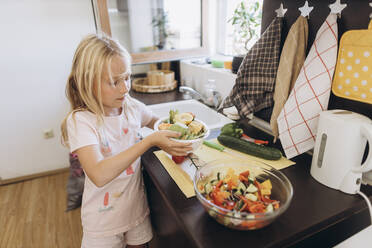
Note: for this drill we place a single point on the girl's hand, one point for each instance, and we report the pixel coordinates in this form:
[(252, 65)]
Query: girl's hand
[(162, 140)]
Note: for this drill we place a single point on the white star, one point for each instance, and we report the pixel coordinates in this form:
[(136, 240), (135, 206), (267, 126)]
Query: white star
[(281, 11), (337, 7), (305, 10)]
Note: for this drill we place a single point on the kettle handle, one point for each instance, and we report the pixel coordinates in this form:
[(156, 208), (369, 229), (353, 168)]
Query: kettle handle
[(366, 130)]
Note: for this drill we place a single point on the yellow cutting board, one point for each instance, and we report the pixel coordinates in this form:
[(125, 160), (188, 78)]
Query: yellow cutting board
[(182, 174)]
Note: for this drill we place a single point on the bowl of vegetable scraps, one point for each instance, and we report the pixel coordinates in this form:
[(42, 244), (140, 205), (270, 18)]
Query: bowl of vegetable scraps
[(242, 195), (192, 129)]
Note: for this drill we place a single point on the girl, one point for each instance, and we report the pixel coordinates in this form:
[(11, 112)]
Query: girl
[(102, 130)]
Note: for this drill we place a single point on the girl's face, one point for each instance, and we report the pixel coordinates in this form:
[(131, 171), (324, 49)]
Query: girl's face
[(113, 91)]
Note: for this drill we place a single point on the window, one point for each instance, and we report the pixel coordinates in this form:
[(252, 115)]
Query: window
[(229, 41)]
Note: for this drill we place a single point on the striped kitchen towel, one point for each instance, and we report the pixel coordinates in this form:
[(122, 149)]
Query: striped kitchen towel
[(291, 61), (254, 85), (298, 120)]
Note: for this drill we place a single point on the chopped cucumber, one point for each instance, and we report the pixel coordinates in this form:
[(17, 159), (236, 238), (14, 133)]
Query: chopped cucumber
[(227, 219), (250, 217), (269, 208), (251, 188), (214, 182), (241, 186), (251, 197), (236, 221), (213, 212)]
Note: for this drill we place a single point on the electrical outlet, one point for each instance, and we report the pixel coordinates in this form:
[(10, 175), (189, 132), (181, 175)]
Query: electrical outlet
[(48, 133)]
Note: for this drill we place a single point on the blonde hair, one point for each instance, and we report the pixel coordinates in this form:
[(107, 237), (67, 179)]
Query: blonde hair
[(83, 90)]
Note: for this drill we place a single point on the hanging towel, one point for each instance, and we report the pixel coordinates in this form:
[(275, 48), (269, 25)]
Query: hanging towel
[(298, 120), (353, 74), (291, 60), (254, 85)]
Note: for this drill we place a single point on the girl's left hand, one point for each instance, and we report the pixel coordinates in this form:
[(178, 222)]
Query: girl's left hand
[(163, 141)]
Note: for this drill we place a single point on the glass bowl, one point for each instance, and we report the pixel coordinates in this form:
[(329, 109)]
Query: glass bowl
[(281, 191), (195, 143)]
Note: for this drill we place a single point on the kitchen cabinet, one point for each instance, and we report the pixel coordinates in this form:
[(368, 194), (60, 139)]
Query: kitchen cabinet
[(317, 215)]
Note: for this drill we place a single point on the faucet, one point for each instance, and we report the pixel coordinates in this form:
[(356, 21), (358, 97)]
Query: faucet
[(213, 101)]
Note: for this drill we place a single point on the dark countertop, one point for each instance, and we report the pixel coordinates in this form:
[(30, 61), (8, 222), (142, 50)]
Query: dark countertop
[(317, 216)]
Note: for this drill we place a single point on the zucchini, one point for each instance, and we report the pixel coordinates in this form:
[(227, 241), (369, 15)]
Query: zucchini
[(208, 188), (250, 148)]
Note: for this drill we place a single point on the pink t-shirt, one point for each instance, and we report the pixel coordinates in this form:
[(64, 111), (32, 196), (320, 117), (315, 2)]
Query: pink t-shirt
[(121, 204)]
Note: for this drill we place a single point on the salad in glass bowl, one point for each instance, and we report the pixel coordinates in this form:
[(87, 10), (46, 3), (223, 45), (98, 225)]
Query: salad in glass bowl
[(242, 195), (192, 129)]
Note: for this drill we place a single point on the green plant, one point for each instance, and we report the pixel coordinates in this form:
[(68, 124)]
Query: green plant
[(160, 21), (246, 21)]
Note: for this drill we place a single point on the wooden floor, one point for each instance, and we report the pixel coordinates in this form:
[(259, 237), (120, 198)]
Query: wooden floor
[(32, 214)]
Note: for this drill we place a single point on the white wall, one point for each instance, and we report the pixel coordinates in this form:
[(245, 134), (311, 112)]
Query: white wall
[(38, 39)]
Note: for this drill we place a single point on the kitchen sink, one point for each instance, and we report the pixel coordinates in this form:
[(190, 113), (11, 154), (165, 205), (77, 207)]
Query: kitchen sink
[(210, 117)]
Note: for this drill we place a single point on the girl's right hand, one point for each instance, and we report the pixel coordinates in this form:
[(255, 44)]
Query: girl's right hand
[(162, 140)]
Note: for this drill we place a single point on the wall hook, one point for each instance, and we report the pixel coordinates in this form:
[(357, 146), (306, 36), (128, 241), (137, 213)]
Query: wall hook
[(337, 7), (306, 9), (281, 11)]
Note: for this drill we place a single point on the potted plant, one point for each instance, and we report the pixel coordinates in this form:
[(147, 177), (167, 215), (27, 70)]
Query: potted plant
[(160, 22), (246, 21)]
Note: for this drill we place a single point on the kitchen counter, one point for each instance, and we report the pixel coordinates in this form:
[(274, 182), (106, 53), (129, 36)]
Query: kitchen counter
[(317, 215)]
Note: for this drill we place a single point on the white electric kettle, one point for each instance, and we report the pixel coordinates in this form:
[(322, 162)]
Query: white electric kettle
[(339, 146)]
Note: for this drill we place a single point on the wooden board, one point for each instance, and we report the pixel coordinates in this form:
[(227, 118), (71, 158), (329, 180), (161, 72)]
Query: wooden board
[(141, 85), (160, 77)]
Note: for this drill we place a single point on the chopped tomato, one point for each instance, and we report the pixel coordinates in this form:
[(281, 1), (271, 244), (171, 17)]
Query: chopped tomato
[(229, 205), (219, 197), (178, 159), (219, 184), (243, 178), (245, 174)]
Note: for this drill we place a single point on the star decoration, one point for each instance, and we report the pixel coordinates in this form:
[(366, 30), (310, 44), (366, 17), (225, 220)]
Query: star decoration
[(337, 7), (306, 9), (281, 11)]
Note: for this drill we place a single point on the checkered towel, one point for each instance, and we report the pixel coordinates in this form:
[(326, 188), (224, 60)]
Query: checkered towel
[(254, 85), (291, 61), (298, 121)]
